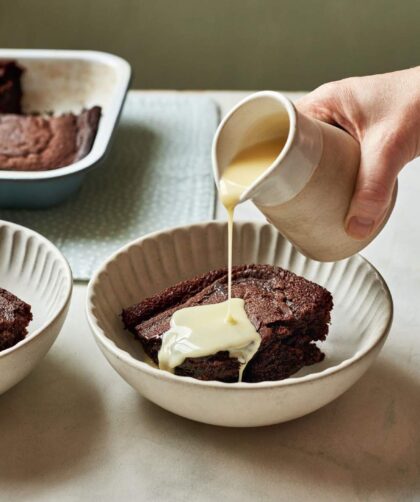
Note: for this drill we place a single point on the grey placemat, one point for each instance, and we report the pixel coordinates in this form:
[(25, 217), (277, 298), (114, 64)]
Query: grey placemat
[(157, 175)]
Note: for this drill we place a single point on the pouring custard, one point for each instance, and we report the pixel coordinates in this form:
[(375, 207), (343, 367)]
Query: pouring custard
[(204, 330), (250, 322)]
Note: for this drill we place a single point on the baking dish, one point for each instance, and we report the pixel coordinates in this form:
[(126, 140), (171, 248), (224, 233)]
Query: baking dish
[(65, 81)]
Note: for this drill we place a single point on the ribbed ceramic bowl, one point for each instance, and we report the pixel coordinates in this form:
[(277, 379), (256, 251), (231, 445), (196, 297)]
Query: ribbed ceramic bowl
[(361, 319), (35, 271)]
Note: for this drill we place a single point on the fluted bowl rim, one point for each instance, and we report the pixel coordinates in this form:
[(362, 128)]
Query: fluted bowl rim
[(65, 299)]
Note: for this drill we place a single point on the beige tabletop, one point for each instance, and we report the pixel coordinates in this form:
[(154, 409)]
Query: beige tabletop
[(74, 430)]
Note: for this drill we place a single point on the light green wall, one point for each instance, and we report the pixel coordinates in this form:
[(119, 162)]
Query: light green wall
[(226, 44)]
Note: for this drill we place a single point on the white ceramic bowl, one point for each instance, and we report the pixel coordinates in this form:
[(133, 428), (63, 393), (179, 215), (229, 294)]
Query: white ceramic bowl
[(361, 319), (35, 271)]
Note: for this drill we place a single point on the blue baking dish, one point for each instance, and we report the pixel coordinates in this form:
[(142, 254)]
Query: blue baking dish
[(65, 81)]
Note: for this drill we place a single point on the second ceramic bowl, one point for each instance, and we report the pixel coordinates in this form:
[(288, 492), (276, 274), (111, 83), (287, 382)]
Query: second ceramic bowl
[(361, 320), (33, 269)]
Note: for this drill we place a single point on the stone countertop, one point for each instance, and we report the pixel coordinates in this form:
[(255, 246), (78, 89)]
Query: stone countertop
[(74, 430)]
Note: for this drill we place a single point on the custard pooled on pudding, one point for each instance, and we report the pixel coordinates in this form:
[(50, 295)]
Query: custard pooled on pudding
[(288, 312)]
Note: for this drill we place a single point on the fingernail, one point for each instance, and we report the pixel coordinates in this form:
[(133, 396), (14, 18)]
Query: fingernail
[(359, 228)]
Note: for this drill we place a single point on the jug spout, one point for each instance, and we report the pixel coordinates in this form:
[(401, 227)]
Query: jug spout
[(265, 116)]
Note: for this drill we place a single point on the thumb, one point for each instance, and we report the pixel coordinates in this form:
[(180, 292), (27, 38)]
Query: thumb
[(373, 192)]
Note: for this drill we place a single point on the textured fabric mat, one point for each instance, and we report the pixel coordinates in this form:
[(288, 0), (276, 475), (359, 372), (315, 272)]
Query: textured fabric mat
[(157, 175)]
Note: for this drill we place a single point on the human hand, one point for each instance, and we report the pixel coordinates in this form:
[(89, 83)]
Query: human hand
[(382, 112)]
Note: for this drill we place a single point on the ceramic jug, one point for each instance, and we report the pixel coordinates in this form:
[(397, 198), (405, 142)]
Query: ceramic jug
[(307, 190)]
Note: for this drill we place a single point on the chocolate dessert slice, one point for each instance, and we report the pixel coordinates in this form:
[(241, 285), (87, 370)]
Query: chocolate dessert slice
[(40, 143), (10, 87), (289, 312), (15, 315)]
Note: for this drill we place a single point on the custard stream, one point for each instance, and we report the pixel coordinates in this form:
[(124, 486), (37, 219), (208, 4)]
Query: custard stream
[(240, 174), (204, 330)]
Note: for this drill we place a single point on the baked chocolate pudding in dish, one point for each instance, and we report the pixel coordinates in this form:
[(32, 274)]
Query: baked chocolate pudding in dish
[(289, 313), (40, 142), (15, 316), (10, 87)]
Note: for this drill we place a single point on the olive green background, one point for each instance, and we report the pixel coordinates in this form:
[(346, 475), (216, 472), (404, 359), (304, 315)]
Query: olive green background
[(226, 44)]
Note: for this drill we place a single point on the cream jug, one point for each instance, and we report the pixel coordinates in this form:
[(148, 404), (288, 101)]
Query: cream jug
[(305, 193)]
